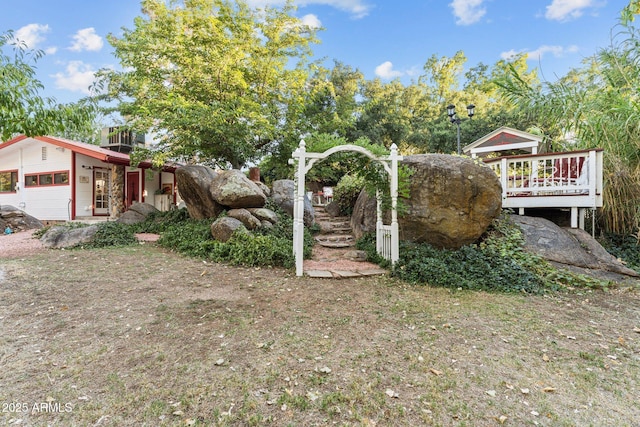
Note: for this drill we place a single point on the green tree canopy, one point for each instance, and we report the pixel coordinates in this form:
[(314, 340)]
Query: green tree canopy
[(215, 78), (22, 109)]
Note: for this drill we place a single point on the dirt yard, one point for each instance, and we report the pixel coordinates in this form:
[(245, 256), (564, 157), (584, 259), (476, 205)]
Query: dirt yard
[(140, 336)]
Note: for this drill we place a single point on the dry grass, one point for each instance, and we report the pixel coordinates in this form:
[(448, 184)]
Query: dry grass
[(138, 336)]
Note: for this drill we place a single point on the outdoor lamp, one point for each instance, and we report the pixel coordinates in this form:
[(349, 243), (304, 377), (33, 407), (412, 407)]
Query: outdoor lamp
[(470, 110), (451, 112)]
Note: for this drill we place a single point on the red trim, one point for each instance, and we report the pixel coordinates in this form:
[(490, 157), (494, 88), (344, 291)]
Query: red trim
[(52, 173), (73, 185), (144, 174), (93, 192)]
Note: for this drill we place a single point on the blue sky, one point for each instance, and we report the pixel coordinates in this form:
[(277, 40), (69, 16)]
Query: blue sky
[(382, 38)]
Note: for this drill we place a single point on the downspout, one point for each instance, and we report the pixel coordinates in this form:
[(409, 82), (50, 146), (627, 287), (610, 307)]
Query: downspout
[(23, 204), (72, 200)]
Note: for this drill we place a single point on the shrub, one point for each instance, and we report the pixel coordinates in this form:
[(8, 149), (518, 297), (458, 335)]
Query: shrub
[(112, 233), (624, 247), (497, 263), (347, 191), (263, 247)]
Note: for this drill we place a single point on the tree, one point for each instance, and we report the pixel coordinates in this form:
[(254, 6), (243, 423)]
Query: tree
[(217, 79), (22, 109)]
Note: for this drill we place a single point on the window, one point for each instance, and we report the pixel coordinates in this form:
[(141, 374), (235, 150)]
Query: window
[(47, 178), (8, 180), (60, 178)]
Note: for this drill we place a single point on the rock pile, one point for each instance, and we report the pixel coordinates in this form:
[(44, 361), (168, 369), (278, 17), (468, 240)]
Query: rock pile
[(208, 193), (16, 220)]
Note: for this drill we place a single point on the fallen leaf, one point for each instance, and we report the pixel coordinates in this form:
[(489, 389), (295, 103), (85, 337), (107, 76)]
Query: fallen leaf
[(545, 357), (491, 393), (203, 273), (501, 419), (622, 341), (435, 372), (549, 389), (178, 413)]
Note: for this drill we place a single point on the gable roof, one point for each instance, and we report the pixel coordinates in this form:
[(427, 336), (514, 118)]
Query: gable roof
[(88, 150), (503, 139)]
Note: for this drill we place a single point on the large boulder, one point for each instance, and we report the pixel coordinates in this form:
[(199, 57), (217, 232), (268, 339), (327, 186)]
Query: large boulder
[(17, 220), (569, 248), (64, 237), (136, 213), (223, 228), (452, 200), (364, 215), (231, 188), (193, 183), (282, 195)]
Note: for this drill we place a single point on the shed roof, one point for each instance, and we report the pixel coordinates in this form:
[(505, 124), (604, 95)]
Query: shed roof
[(504, 139)]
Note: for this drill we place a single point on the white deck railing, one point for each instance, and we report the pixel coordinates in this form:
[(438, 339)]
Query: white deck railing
[(553, 180)]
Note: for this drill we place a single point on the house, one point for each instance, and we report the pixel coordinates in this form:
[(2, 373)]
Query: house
[(55, 179), (567, 181)]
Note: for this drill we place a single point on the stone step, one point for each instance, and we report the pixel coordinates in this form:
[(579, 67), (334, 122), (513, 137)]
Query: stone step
[(336, 240)]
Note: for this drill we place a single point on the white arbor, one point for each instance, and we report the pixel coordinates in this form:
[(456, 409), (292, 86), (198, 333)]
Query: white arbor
[(387, 240)]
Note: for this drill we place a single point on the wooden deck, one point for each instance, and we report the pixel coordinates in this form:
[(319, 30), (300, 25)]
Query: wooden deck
[(570, 180)]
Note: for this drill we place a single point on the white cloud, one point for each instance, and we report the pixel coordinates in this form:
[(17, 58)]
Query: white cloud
[(51, 50), (86, 39), (563, 10), (311, 21), (386, 71), (467, 12), (537, 54), (31, 34), (357, 8), (77, 77)]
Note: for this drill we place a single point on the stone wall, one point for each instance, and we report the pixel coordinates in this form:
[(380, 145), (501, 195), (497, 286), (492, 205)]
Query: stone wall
[(116, 193)]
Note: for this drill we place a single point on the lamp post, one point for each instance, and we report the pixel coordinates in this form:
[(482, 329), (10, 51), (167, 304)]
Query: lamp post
[(451, 112)]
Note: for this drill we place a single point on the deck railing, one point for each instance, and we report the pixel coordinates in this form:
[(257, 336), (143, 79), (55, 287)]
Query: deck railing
[(562, 180)]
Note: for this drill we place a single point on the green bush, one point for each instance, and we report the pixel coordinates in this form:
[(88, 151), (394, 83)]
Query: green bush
[(498, 263), (113, 233), (625, 247), (347, 191), (262, 247)]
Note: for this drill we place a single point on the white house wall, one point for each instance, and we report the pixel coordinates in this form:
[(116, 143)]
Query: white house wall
[(46, 202)]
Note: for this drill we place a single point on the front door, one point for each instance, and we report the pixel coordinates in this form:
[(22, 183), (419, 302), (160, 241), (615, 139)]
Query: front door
[(133, 188), (100, 192)]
